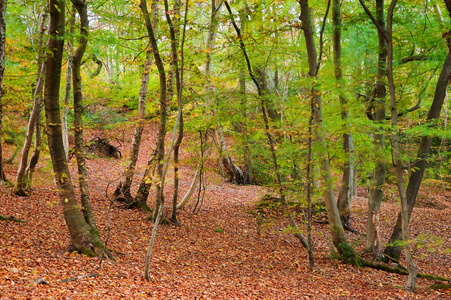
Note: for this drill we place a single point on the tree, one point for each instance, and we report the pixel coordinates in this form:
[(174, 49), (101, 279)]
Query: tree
[(376, 112), (336, 228), (159, 201), (122, 191), (345, 195), (82, 9), (393, 248), (26, 167), (84, 238), (174, 25), (387, 34), (3, 4), (68, 87)]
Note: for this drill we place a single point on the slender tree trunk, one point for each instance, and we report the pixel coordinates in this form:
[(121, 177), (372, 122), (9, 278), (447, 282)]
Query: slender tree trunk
[(179, 85), (410, 285), (3, 4), (146, 182), (81, 7), (68, 81), (37, 141), (191, 189), (309, 190), (379, 93), (345, 195), (152, 242), (122, 192), (419, 165), (244, 107), (22, 179), (336, 228), (82, 238), (159, 201)]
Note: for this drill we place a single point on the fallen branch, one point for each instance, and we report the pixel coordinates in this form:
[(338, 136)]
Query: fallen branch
[(37, 281), (79, 277)]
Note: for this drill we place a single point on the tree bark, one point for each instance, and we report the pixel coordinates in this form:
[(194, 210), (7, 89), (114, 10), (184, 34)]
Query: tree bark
[(345, 195), (82, 238), (179, 85), (122, 192), (68, 88), (379, 93), (146, 182), (3, 4), (191, 189), (159, 201), (81, 7), (23, 177)]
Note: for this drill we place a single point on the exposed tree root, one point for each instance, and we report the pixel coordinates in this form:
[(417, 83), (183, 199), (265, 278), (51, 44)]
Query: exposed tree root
[(399, 270), (440, 286), (349, 228), (101, 148)]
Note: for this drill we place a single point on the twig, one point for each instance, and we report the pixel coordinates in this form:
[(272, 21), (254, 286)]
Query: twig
[(108, 234)]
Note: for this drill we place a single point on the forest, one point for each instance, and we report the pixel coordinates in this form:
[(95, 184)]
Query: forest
[(225, 149)]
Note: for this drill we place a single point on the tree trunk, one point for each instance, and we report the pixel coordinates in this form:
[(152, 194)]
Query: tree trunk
[(37, 141), (159, 201), (336, 228), (345, 195), (82, 238), (146, 182), (191, 189), (3, 4), (68, 80), (23, 178), (37, 145), (379, 93), (122, 192), (411, 267), (419, 165), (179, 85), (81, 7)]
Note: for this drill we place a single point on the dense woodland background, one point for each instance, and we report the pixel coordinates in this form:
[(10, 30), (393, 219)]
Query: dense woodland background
[(255, 149)]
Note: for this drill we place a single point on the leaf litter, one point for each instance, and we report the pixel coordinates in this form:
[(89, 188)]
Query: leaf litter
[(217, 253)]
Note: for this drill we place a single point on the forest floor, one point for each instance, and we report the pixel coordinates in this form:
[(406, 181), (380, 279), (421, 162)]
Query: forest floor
[(217, 253)]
